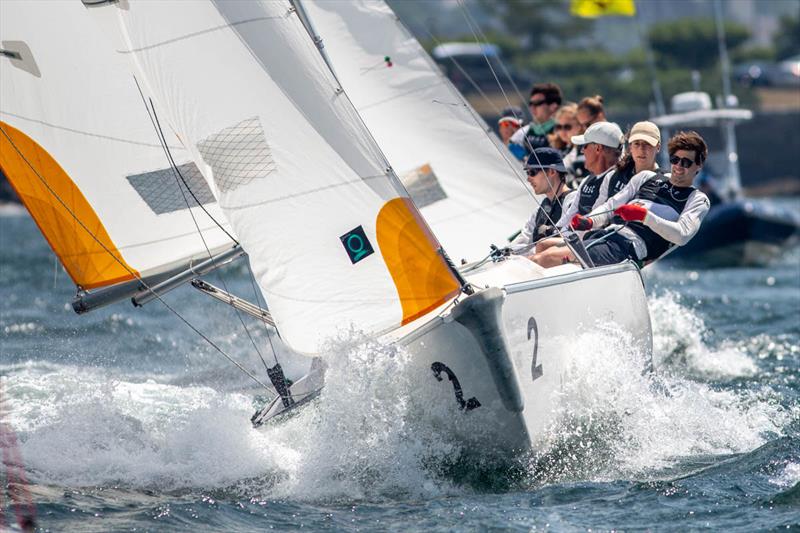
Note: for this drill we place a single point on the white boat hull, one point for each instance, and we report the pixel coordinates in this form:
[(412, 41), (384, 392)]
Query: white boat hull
[(489, 369), (506, 400)]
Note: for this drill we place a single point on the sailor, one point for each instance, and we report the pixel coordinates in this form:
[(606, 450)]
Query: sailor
[(653, 213), (602, 143), (510, 121), (543, 103), (590, 111), (547, 176)]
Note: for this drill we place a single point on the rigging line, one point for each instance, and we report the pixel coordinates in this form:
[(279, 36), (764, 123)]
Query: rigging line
[(165, 147), (178, 179), (467, 18), (125, 266), (508, 102), (512, 164), (475, 117), (257, 294), (391, 175), (479, 121), (461, 70), (499, 59), (483, 52), (501, 150)]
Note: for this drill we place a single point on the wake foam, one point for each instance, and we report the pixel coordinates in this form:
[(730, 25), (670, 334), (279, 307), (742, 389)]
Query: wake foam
[(364, 437), (614, 422), (680, 346), (80, 427)]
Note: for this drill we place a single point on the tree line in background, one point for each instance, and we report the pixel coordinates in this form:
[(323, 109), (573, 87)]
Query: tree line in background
[(546, 43)]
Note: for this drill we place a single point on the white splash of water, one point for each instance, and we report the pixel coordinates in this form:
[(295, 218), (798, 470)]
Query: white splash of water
[(679, 344), (789, 477), (364, 438), (81, 427), (361, 440), (614, 421)]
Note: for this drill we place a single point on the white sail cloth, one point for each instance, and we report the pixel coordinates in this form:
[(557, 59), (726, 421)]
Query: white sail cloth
[(79, 148), (331, 240), (419, 118)]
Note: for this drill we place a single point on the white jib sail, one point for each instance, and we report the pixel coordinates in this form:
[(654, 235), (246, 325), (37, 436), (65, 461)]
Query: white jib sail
[(472, 192), (331, 240), (79, 148)]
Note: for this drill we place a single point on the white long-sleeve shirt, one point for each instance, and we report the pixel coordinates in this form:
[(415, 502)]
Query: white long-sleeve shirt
[(673, 213)]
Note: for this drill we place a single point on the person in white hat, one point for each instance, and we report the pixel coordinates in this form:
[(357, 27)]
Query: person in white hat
[(602, 143)]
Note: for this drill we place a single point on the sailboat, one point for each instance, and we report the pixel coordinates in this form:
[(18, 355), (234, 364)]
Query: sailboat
[(296, 180)]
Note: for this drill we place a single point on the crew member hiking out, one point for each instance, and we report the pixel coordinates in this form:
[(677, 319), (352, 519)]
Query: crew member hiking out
[(653, 212), (602, 143)]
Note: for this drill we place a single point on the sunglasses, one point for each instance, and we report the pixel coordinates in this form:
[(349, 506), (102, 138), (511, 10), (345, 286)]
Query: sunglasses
[(681, 161), (537, 103), (559, 127)]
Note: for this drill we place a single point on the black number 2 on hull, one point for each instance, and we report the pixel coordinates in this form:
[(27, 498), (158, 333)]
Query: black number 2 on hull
[(536, 370)]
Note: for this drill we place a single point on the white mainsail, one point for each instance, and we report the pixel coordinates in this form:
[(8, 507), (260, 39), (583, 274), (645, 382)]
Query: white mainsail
[(77, 145), (332, 239), (419, 119)]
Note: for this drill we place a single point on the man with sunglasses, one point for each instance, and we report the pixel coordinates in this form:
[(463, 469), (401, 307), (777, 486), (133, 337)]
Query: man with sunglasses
[(543, 103), (547, 176), (652, 213), (602, 144)]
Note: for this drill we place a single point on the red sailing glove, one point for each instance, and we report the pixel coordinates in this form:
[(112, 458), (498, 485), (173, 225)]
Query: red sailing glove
[(581, 223), (631, 212)]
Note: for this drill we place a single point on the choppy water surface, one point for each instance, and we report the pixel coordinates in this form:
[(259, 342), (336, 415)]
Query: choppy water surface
[(127, 420)]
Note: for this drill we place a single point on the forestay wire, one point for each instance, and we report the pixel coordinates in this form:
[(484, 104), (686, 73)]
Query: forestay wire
[(474, 30)]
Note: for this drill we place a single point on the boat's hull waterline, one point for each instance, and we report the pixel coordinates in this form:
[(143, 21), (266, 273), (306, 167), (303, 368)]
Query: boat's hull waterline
[(488, 371)]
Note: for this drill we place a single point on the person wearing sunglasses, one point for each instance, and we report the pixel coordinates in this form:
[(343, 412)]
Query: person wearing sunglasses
[(653, 213), (547, 176), (602, 144), (544, 101), (591, 110), (566, 127), (510, 121)]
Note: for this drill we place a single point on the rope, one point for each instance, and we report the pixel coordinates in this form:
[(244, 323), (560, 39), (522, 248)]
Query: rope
[(472, 27), (125, 267), (179, 178)]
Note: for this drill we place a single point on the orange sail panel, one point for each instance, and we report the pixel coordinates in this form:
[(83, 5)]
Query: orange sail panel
[(92, 260), (420, 274)]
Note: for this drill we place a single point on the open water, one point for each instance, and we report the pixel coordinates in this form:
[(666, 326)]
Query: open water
[(128, 421)]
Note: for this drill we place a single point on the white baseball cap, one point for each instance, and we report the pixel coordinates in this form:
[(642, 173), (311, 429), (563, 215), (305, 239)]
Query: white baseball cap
[(605, 133)]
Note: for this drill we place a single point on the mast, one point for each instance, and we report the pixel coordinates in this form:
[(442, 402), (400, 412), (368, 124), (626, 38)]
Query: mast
[(303, 16), (733, 182)]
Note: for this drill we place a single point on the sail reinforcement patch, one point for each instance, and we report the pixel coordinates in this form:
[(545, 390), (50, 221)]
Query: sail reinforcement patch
[(238, 155), (163, 192)]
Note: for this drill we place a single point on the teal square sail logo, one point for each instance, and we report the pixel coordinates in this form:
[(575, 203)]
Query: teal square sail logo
[(356, 244)]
